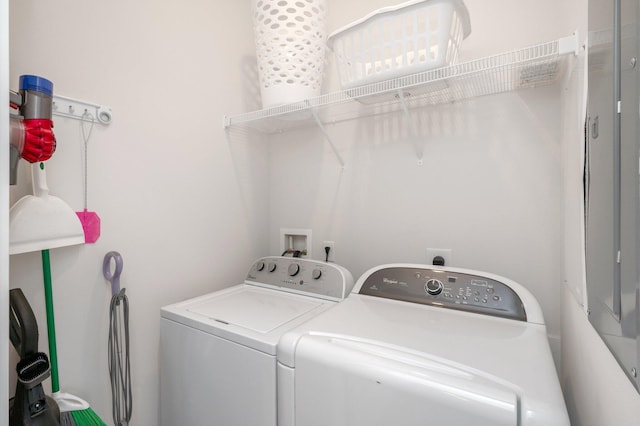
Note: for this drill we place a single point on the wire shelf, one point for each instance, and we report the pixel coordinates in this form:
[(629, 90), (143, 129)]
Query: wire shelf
[(518, 69)]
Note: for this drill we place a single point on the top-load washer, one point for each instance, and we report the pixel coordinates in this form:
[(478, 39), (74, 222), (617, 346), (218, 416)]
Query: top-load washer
[(413, 345), (218, 351)]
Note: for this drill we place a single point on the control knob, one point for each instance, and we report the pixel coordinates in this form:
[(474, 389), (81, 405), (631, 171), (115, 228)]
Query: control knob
[(433, 287), (316, 274), (272, 266), (260, 266), (293, 270)]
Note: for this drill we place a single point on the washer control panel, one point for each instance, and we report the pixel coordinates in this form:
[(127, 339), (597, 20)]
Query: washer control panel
[(446, 289), (299, 275)]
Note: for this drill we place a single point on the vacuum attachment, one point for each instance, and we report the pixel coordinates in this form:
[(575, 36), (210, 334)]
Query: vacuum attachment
[(33, 369), (30, 405)]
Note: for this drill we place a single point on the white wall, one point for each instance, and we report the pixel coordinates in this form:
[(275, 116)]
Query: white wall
[(488, 189), (4, 203), (179, 201)]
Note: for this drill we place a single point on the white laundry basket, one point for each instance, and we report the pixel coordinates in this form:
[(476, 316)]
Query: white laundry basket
[(290, 40), (400, 40)]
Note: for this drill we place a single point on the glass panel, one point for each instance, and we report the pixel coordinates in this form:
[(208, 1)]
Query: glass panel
[(612, 250)]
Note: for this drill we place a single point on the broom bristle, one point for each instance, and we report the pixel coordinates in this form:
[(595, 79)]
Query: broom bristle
[(66, 419), (87, 417)]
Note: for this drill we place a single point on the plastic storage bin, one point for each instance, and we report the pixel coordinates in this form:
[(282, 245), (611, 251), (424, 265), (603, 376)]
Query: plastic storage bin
[(290, 37), (400, 40)]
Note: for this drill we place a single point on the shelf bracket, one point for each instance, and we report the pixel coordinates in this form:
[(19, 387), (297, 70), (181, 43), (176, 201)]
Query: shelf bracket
[(327, 136), (569, 45), (412, 127)]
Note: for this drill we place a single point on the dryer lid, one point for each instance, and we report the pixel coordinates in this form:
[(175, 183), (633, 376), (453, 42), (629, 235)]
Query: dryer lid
[(254, 308)]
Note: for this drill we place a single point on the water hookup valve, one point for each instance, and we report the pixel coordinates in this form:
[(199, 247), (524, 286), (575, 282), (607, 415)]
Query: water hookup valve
[(31, 134)]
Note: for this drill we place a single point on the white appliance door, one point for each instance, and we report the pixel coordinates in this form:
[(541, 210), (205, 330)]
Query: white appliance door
[(341, 381), (206, 380)]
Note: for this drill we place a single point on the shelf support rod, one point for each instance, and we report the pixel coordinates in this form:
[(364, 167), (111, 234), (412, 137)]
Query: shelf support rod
[(412, 126), (327, 136)]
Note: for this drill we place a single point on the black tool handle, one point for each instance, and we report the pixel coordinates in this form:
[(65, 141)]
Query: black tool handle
[(23, 327)]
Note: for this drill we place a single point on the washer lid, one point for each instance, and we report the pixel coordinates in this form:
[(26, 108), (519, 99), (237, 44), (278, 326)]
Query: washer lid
[(254, 309), (246, 314)]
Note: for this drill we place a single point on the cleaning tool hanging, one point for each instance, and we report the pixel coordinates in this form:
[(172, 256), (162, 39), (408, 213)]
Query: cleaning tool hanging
[(90, 220), (42, 221), (73, 410), (31, 132), (39, 221), (119, 365)]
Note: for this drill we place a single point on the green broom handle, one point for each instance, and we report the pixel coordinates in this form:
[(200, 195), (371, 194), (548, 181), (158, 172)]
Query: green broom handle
[(51, 324)]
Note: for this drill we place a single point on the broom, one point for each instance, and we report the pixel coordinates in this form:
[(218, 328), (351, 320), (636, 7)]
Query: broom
[(74, 411)]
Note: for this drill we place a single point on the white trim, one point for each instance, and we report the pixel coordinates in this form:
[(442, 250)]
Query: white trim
[(4, 205)]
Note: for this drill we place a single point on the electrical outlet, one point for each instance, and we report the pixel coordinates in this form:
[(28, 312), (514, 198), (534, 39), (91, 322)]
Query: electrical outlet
[(332, 251), (446, 254)]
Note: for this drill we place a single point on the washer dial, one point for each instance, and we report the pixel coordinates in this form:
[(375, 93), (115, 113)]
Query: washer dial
[(433, 287), (293, 270)]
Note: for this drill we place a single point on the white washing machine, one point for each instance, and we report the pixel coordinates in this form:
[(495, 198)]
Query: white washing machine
[(413, 345), (218, 351)]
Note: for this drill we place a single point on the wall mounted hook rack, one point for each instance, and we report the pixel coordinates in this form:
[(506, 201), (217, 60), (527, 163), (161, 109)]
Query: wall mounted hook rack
[(76, 109)]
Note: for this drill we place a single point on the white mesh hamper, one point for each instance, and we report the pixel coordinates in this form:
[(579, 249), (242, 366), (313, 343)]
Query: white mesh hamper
[(399, 40), (290, 40)]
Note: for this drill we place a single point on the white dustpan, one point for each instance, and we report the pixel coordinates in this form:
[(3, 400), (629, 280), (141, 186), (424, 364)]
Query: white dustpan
[(42, 221)]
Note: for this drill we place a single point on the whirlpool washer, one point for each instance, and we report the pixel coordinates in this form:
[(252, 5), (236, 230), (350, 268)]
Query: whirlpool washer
[(218, 351), (413, 345)]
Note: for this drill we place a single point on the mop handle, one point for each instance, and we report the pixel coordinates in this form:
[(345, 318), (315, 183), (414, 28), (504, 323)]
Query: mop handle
[(113, 277), (51, 326)]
